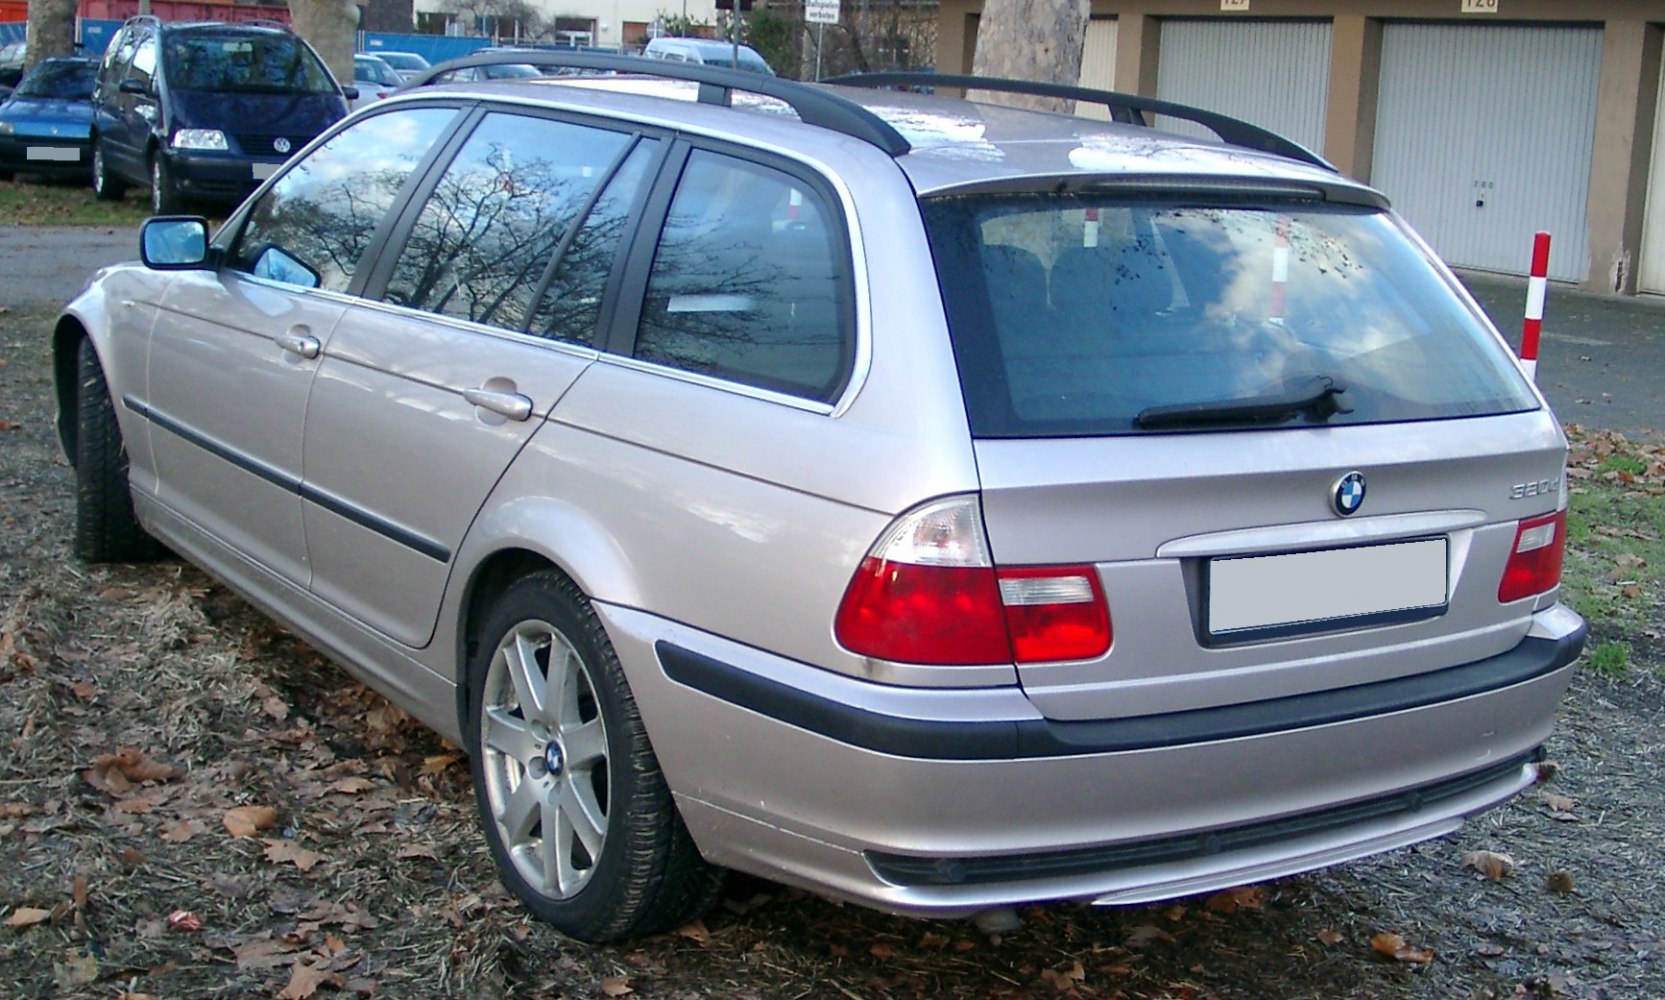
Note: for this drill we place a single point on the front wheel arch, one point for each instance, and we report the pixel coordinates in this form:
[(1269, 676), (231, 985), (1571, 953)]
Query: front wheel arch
[(66, 344)]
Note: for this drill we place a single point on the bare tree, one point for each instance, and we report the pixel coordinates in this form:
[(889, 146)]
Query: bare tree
[(1031, 40), (330, 27), (51, 29)]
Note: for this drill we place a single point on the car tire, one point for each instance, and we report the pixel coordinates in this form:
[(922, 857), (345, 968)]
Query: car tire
[(106, 529), (106, 185), (620, 862), (165, 198)]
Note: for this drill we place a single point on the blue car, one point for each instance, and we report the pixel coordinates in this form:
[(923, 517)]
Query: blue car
[(46, 123)]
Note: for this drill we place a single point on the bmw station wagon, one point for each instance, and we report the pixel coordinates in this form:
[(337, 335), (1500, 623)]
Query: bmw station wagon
[(933, 504)]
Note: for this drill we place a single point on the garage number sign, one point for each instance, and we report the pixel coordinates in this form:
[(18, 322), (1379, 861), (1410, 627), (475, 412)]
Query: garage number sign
[(1480, 6)]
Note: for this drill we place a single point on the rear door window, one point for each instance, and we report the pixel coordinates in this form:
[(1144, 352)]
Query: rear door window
[(1076, 315), (749, 281), (484, 244)]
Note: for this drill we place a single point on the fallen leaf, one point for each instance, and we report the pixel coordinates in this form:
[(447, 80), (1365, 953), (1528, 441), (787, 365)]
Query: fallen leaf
[(116, 773), (1490, 949), (1330, 937), (616, 986), (419, 851), (265, 953), (246, 821), (1559, 803), (304, 981), (76, 970), (352, 786), (883, 952), (27, 916), (280, 851), (1243, 897), (184, 921), (183, 830), (435, 763), (1490, 864), (1561, 882), (695, 931), (84, 690), (1393, 946), (1146, 935)]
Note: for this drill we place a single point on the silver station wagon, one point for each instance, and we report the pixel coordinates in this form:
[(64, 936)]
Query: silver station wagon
[(934, 504)]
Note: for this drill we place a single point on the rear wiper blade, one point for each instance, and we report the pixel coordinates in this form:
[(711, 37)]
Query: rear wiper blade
[(1319, 395)]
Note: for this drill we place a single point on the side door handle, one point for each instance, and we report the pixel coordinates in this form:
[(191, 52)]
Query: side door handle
[(508, 404), (297, 341)]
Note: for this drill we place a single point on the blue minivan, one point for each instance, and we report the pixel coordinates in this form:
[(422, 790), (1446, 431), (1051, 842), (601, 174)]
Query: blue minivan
[(205, 110)]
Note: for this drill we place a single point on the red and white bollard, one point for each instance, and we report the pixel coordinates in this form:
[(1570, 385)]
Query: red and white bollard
[(1537, 286)]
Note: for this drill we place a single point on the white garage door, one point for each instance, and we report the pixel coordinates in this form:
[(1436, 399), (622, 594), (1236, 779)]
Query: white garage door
[(1098, 63), (1484, 136), (1651, 277), (1275, 74)]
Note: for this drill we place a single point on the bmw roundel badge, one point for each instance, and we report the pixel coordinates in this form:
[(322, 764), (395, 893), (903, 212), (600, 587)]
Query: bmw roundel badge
[(1348, 495)]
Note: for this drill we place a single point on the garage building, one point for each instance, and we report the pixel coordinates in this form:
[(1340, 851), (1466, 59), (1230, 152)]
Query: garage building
[(1483, 120)]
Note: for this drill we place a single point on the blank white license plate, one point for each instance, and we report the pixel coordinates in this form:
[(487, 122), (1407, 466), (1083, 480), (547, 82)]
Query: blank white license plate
[(1289, 591), (265, 170), (63, 154)]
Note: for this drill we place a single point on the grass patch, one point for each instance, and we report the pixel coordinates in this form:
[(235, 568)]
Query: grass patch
[(1611, 659), (1616, 542), (65, 202)]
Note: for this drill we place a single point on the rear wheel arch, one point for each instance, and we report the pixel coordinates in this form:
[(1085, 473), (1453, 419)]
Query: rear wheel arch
[(66, 343)]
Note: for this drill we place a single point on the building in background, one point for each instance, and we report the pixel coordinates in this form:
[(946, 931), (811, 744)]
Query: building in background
[(1483, 120)]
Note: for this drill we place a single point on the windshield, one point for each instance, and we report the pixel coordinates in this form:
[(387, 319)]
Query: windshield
[(245, 63), (375, 71), (61, 80), (1086, 315)]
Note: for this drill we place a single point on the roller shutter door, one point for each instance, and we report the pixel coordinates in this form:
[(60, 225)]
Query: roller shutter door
[(1651, 277), (1275, 74), (1098, 63), (1484, 136)]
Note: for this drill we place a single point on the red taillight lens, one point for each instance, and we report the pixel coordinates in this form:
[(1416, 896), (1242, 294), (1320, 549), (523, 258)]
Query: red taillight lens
[(1535, 562), (1054, 612), (923, 614), (929, 593)]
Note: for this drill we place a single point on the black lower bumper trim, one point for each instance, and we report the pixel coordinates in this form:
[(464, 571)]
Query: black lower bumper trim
[(1007, 740), (907, 870)]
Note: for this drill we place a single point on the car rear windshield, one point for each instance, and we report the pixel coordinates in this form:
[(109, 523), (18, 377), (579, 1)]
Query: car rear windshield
[(245, 63), (1079, 314)]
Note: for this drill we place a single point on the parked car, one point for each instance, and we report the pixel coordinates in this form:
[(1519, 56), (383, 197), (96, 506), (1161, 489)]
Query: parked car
[(707, 52), (373, 79), (406, 64), (469, 73), (938, 505), (46, 121), (205, 109), (13, 57)]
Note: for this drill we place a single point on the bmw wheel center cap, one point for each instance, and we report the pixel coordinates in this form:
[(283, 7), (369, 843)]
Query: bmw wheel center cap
[(1348, 495)]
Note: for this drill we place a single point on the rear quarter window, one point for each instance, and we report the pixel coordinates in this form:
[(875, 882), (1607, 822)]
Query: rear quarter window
[(1075, 315)]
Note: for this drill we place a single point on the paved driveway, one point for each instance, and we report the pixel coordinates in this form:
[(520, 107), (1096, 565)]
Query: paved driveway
[(1601, 363)]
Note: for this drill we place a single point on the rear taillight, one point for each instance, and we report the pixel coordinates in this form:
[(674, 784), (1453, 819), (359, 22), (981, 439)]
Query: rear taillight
[(1535, 562), (928, 592)]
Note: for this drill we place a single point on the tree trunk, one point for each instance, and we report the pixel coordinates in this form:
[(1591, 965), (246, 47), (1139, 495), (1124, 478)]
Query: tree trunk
[(51, 29), (1030, 40), (331, 27)]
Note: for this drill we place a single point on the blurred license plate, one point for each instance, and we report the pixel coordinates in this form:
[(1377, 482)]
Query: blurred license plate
[(1302, 591), (66, 154), (265, 170)]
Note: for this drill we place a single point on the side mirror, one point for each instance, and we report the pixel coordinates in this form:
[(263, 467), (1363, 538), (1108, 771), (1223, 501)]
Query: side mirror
[(174, 243), (350, 93), (131, 86)]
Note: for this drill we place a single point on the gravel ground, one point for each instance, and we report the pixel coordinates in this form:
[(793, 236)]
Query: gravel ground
[(194, 804)]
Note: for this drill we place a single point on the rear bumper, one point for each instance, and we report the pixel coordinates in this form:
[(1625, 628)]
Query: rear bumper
[(946, 802)]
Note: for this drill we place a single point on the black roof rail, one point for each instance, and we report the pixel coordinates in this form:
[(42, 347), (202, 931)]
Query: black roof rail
[(1129, 108), (814, 105)]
